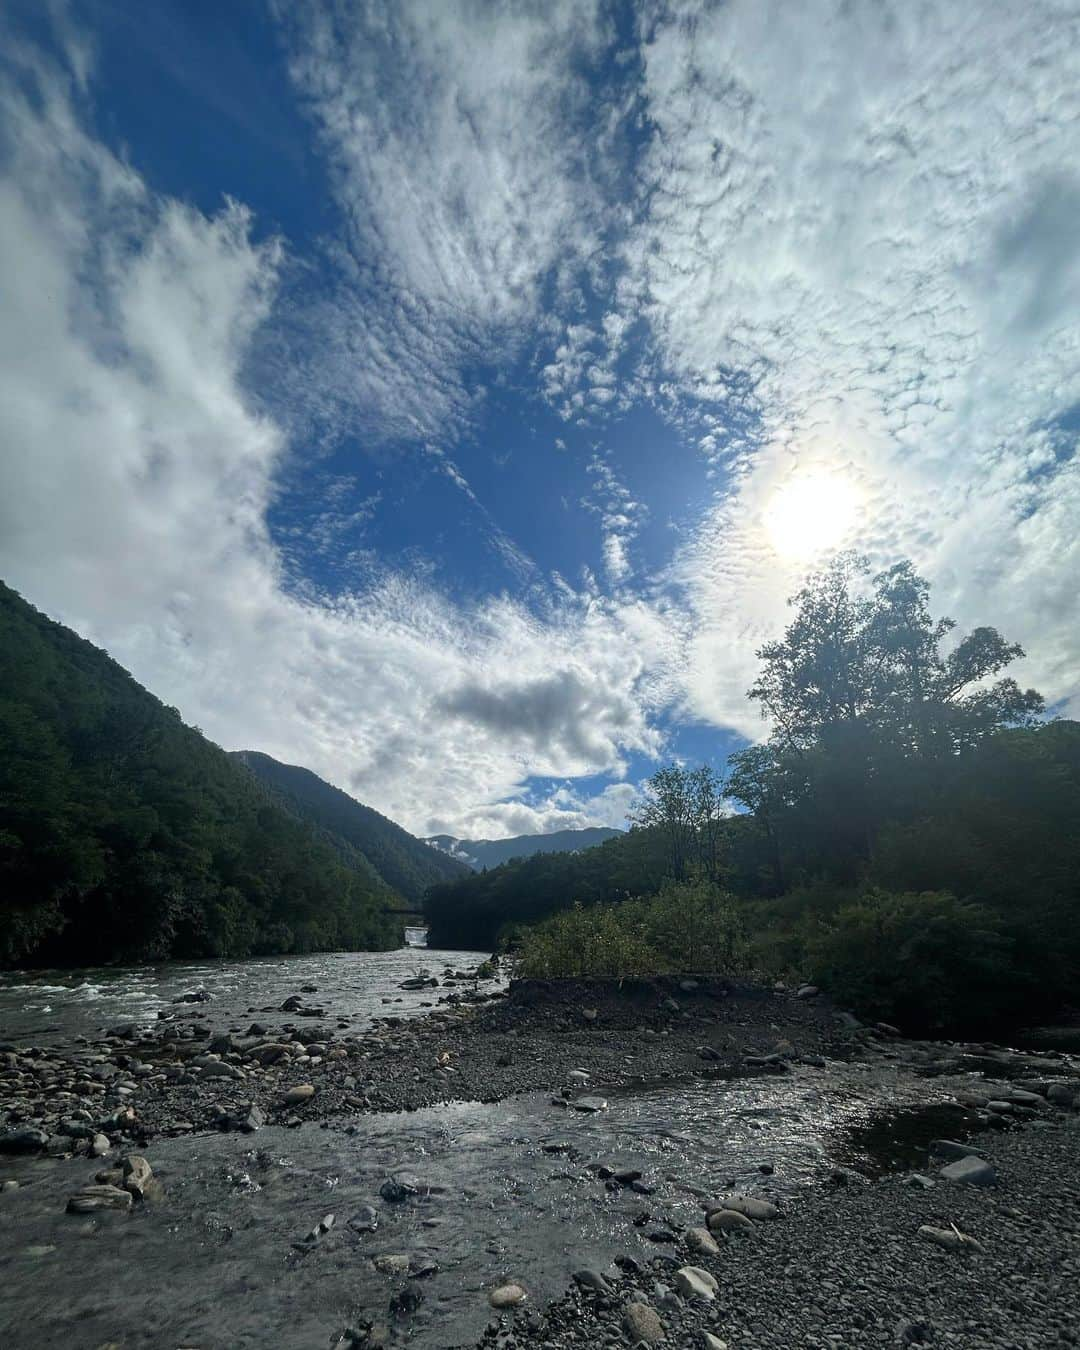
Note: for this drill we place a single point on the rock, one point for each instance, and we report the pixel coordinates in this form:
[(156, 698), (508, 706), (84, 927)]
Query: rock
[(971, 1171), (137, 1173), (589, 1014), (951, 1149), (24, 1140), (711, 1342), (247, 1119), (592, 1279), (807, 991), (669, 1005), (729, 1221), (578, 1076), (99, 1146), (688, 986), (7, 1186), (270, 1053), (1063, 1094), (420, 1267), (589, 1104), (391, 1263), (707, 1052), (296, 1096), (396, 1189), (642, 1323), (950, 1239), (507, 1296), (701, 1240), (93, 1198), (318, 1232), (365, 1220), (693, 1282), (761, 1211)]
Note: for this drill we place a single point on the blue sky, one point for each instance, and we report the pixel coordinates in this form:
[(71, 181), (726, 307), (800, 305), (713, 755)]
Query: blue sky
[(447, 396)]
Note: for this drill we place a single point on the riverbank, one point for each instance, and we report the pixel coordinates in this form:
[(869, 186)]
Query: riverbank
[(251, 1117)]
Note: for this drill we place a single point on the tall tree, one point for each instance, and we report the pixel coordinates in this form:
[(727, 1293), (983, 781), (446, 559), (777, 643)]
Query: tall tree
[(686, 807)]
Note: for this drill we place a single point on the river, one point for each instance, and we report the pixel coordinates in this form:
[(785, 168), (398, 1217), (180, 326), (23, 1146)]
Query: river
[(506, 1191), (51, 1007)]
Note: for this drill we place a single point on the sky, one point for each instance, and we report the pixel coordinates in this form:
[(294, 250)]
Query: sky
[(448, 396)]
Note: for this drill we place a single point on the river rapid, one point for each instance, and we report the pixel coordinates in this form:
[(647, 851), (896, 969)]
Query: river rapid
[(516, 1190)]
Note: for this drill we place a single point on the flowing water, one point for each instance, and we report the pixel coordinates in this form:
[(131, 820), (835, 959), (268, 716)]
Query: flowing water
[(505, 1190), (50, 1007)]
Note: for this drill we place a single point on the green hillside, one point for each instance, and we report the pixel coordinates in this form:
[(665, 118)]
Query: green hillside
[(406, 863), (126, 835)]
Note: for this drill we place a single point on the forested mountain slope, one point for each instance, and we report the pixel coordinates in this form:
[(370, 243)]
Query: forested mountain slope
[(406, 863), (480, 853), (126, 835)]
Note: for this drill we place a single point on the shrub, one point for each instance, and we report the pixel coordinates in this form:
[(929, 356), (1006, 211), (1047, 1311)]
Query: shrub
[(924, 960), (688, 926)]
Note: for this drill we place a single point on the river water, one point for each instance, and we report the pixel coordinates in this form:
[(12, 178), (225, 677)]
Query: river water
[(506, 1190), (50, 1007)]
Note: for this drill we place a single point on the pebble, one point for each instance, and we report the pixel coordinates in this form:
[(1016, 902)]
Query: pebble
[(970, 1171), (296, 1096), (642, 1323), (729, 1221), (93, 1198), (759, 1210), (701, 1240), (507, 1296), (693, 1282)]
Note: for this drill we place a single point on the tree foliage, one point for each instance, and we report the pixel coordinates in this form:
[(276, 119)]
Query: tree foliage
[(125, 834)]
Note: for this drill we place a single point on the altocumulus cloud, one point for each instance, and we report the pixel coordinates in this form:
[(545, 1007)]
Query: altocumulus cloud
[(858, 242)]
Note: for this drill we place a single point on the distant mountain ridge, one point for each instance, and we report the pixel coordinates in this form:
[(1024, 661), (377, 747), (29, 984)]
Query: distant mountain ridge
[(480, 853), (363, 837)]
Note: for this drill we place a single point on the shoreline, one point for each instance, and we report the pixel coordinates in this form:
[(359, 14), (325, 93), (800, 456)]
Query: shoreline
[(846, 1248)]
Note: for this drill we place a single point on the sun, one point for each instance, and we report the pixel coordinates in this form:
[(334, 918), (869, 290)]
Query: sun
[(810, 512)]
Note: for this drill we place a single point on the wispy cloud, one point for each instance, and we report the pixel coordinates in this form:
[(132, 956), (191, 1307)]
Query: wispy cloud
[(456, 136)]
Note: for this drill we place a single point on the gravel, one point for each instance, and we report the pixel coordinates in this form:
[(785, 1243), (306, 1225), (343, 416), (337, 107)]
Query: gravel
[(847, 1267)]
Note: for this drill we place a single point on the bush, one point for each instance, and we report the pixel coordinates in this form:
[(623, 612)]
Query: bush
[(688, 926), (924, 960)]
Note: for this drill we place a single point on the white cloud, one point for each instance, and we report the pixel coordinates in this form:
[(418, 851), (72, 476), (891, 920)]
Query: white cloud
[(562, 809), (133, 497), (470, 190), (860, 244)]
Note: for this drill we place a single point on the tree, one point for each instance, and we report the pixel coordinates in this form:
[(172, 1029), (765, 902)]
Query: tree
[(686, 806), (869, 668)]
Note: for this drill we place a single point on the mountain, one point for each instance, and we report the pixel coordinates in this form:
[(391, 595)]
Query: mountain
[(479, 853), (126, 835), (361, 834)]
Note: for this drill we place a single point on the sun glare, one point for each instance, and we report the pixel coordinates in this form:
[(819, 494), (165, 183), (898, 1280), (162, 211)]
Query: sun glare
[(809, 513)]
